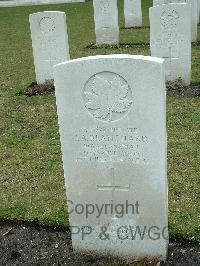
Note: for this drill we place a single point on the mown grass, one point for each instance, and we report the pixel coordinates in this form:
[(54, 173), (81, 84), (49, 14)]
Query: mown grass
[(32, 185)]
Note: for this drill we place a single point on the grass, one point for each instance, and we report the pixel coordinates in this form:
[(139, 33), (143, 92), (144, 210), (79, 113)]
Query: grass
[(31, 177)]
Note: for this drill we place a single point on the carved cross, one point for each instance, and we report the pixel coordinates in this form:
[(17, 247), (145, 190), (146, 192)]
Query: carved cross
[(170, 61), (113, 187)]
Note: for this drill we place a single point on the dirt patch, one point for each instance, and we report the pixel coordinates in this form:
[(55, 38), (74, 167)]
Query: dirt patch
[(40, 89), (33, 244), (135, 45), (134, 28), (177, 88), (196, 43), (121, 45)]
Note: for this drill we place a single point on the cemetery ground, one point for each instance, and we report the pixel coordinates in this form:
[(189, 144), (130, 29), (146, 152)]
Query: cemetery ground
[(31, 178)]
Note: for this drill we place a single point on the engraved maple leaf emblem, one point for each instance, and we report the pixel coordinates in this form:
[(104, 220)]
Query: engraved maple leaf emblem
[(107, 97)]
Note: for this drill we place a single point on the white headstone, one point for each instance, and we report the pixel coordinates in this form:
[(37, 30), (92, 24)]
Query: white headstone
[(194, 12), (112, 121), (132, 13), (194, 18), (106, 22), (170, 38), (198, 11), (49, 42)]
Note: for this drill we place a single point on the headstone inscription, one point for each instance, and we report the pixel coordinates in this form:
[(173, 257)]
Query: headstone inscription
[(49, 42), (106, 22), (110, 110), (170, 38), (132, 13)]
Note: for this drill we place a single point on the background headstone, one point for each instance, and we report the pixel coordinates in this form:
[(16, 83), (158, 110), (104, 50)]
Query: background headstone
[(170, 38), (49, 42), (132, 13), (194, 13), (15, 3), (194, 8), (106, 22), (112, 121)]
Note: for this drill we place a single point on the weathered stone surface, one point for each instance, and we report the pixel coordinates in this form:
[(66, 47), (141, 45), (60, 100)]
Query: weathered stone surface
[(170, 38), (194, 13), (35, 2), (106, 22), (112, 120), (132, 13), (49, 42)]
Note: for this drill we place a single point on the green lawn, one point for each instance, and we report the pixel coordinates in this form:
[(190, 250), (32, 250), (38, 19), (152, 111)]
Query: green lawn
[(31, 176)]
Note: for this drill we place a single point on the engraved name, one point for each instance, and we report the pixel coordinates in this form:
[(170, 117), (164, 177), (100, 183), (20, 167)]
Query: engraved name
[(102, 144)]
